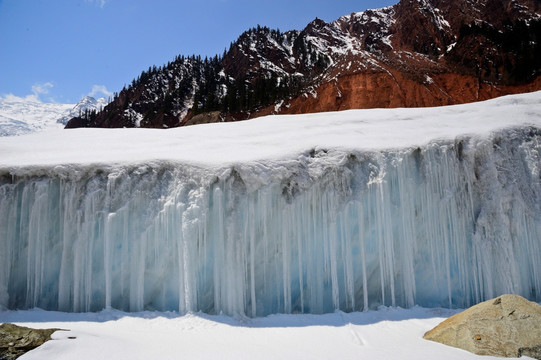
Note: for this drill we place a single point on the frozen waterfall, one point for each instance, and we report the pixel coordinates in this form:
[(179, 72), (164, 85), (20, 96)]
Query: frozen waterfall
[(451, 223)]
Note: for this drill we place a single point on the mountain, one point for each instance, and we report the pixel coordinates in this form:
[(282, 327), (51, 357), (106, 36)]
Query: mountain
[(415, 53), (86, 104), (20, 116)]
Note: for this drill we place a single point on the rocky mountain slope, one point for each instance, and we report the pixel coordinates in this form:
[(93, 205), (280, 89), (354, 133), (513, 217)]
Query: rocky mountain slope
[(415, 53)]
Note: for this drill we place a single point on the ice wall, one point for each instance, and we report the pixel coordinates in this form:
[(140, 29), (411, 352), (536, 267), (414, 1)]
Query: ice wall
[(447, 224)]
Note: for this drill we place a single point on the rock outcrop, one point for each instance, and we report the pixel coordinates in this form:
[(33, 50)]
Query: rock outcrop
[(507, 326), (17, 340)]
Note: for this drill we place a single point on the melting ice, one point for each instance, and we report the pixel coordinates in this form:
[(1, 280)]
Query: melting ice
[(450, 223)]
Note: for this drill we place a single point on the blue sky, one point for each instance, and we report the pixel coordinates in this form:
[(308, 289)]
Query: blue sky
[(62, 50)]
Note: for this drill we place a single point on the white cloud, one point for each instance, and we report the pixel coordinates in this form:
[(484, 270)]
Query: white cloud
[(99, 3), (41, 89), (38, 89), (14, 98), (99, 89)]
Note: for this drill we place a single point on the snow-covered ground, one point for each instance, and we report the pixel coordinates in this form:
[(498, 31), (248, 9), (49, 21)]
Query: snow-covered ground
[(269, 138), (388, 333)]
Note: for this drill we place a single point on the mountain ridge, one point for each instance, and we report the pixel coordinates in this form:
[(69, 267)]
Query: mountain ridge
[(19, 116), (414, 53)]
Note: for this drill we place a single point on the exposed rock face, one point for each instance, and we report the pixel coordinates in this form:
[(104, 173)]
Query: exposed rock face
[(17, 340), (205, 118), (382, 90), (415, 53), (507, 326)]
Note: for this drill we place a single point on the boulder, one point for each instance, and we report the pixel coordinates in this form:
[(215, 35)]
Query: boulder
[(507, 326), (17, 340)]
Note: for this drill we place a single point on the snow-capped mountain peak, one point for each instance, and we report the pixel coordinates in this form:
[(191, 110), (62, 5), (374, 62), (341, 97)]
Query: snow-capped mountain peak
[(86, 104)]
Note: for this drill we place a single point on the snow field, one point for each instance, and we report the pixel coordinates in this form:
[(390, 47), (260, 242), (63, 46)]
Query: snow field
[(388, 333)]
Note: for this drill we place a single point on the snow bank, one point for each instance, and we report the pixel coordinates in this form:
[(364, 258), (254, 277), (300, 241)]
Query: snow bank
[(270, 138)]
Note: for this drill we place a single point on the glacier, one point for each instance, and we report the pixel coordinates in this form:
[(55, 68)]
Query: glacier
[(450, 222)]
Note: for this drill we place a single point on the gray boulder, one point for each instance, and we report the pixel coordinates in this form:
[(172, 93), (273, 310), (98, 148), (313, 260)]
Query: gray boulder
[(507, 326)]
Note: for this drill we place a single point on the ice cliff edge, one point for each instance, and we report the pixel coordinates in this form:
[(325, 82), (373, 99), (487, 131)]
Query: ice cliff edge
[(309, 228)]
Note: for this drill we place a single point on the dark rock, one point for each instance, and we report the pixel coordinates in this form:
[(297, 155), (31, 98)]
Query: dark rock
[(533, 352), (18, 340)]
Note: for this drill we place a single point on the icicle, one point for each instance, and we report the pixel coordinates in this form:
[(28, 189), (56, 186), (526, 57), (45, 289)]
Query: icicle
[(252, 224), (363, 259), (108, 259)]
